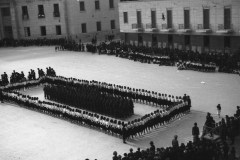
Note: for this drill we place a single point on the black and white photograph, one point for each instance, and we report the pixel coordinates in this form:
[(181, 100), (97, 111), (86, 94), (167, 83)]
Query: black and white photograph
[(119, 79)]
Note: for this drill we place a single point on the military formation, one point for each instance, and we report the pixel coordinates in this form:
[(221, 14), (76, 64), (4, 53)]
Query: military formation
[(164, 114), (90, 98)]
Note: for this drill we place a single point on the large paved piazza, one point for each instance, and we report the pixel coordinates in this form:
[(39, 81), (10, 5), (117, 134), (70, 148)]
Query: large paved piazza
[(29, 135)]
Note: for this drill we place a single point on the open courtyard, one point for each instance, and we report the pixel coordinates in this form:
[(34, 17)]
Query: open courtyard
[(29, 135)]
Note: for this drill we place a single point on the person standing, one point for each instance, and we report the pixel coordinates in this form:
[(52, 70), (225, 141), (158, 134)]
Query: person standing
[(175, 142), (124, 133), (1, 96), (219, 110), (195, 133)]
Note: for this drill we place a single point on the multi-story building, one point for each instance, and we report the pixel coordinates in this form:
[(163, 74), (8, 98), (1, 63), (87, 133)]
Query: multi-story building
[(75, 19), (198, 25)]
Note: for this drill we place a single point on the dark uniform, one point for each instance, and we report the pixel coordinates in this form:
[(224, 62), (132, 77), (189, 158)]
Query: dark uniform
[(124, 133), (195, 132), (1, 96)]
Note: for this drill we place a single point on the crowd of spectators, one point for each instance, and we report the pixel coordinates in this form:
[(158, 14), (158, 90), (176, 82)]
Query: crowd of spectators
[(198, 149), (227, 62)]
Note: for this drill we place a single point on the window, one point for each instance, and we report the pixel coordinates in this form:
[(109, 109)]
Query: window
[(186, 19), (84, 28), (97, 5), (5, 12), (206, 19), (139, 19), (170, 39), (187, 40), (140, 39), (227, 42), (82, 6), (56, 12), (169, 18), (125, 17), (206, 41), (153, 18), (99, 27), (154, 41), (58, 30), (27, 32), (25, 13), (227, 18), (8, 33), (113, 24), (43, 30), (41, 13), (111, 4)]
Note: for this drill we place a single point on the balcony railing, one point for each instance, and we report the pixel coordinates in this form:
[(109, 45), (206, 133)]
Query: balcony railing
[(184, 29), (56, 14), (151, 27), (137, 27), (41, 15), (224, 29), (201, 29), (165, 28), (25, 17)]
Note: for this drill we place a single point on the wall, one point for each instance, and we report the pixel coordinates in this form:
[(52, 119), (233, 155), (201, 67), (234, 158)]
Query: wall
[(90, 16), (34, 22), (196, 12)]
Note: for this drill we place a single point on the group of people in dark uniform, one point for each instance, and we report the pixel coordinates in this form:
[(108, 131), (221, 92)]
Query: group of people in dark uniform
[(90, 98), (32, 42), (170, 108), (4, 79), (17, 77)]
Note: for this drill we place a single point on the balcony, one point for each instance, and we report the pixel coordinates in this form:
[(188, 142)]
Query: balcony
[(151, 27), (183, 29), (165, 28), (56, 14), (137, 27), (41, 15), (224, 29), (201, 29), (25, 17)]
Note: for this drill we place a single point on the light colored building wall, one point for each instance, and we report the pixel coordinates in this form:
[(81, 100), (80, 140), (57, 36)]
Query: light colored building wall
[(216, 17), (70, 19), (3, 20), (196, 12), (90, 16), (34, 22)]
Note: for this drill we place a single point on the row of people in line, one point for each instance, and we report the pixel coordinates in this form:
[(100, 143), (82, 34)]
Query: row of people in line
[(138, 95), (20, 77), (196, 66), (110, 125), (226, 62), (90, 98), (32, 42)]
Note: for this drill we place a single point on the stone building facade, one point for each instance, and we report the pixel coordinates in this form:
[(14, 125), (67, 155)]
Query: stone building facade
[(198, 25), (75, 19)]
